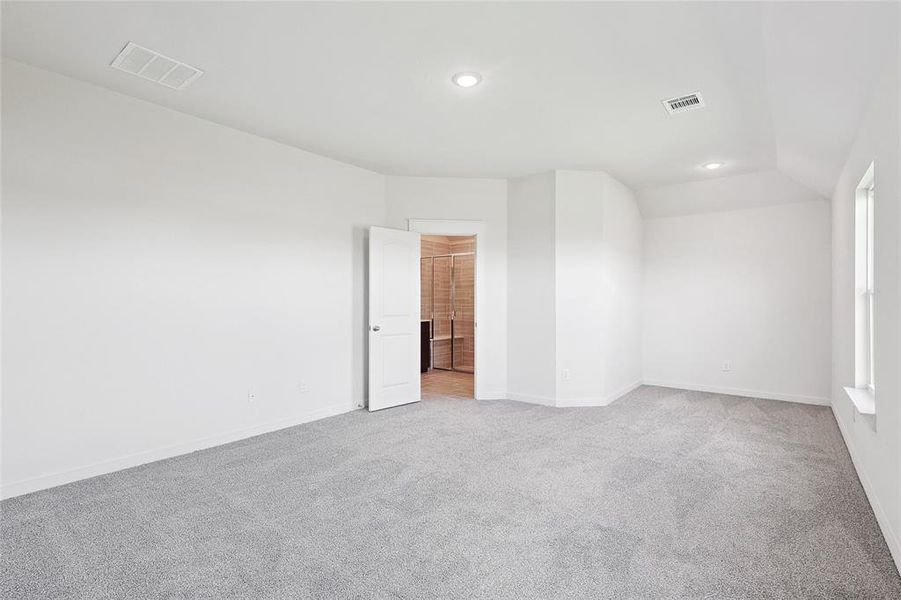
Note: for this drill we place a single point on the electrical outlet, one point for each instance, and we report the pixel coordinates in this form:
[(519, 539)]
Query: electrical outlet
[(565, 374), (251, 395), (727, 367), (302, 387)]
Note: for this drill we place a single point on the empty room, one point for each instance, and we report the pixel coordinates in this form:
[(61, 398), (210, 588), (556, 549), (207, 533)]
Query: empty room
[(413, 300)]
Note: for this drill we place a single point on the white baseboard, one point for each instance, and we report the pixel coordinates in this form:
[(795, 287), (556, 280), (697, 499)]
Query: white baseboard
[(41, 482), (494, 395), (891, 539), (574, 402), (624, 390), (740, 392), (580, 402), (599, 401), (532, 399)]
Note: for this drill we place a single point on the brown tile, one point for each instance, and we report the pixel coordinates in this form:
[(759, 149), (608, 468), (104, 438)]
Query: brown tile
[(447, 385)]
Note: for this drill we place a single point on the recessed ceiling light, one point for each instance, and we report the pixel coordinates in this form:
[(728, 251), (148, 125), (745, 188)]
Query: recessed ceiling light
[(712, 166), (467, 80)]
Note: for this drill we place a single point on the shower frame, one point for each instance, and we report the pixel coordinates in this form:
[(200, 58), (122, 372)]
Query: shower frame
[(453, 311)]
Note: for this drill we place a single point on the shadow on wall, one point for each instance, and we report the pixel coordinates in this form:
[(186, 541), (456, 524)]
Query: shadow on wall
[(360, 318)]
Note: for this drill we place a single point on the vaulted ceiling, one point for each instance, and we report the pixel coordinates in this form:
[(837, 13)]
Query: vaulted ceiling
[(566, 85)]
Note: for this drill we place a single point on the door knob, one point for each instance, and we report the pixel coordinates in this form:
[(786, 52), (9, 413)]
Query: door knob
[(376, 328)]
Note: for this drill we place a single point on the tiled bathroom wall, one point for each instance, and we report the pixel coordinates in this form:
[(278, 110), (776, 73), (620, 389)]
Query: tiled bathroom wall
[(461, 244)]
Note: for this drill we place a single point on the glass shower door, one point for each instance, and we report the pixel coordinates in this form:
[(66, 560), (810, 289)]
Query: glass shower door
[(442, 312), (425, 289), (464, 312)]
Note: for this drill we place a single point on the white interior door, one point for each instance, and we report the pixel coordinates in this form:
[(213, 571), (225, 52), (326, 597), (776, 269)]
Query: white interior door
[(393, 317)]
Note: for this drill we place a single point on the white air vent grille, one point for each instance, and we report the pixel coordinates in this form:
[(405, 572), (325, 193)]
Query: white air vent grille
[(151, 65), (681, 104)]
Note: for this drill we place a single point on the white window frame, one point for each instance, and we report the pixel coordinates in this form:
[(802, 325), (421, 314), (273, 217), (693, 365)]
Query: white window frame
[(863, 394), (870, 291)]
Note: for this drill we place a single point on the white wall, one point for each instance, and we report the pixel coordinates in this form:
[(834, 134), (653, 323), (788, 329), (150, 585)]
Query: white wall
[(482, 200), (531, 325), (874, 446), (155, 267), (748, 287), (574, 317), (748, 190), (598, 281)]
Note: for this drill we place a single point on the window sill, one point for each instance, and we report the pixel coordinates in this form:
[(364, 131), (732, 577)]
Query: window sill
[(863, 399)]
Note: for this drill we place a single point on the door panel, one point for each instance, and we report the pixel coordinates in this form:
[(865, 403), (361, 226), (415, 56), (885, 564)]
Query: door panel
[(394, 313)]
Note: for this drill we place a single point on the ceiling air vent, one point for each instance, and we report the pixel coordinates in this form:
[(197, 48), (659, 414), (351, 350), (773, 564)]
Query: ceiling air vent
[(151, 65), (683, 104)]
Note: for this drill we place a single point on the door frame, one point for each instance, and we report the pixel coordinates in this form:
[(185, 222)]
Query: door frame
[(477, 230)]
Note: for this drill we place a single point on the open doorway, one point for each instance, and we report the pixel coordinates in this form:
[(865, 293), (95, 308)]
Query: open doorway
[(447, 293)]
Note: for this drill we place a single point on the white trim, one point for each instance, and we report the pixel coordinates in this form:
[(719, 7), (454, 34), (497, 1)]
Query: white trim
[(494, 395), (574, 402), (532, 399), (581, 402), (740, 392), (479, 230), (613, 397), (604, 401), (863, 399), (863, 261), (891, 540), (41, 482), (446, 227)]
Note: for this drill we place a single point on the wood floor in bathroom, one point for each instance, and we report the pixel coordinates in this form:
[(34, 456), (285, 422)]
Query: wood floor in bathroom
[(447, 385)]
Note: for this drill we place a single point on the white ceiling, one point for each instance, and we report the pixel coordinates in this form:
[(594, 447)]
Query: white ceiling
[(570, 86)]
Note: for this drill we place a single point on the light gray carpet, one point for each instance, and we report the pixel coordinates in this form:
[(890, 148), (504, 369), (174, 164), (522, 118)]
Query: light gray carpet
[(665, 494)]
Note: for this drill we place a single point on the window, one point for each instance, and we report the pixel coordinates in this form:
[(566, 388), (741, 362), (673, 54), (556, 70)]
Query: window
[(870, 193), (863, 394)]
